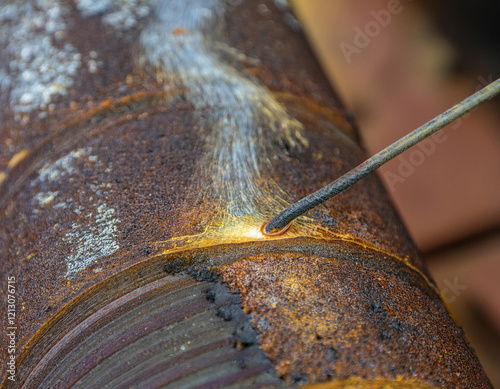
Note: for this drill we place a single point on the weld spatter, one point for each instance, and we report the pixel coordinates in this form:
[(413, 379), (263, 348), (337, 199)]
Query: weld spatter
[(242, 125)]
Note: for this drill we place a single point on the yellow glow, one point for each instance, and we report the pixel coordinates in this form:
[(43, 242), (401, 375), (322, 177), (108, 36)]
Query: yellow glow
[(244, 229), (251, 232), (239, 229)]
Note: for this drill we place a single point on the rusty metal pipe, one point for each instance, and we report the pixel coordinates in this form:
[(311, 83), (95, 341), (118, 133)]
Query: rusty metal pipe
[(143, 145)]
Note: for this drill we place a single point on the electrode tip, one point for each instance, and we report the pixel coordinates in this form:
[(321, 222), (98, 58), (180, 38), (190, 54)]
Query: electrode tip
[(274, 231)]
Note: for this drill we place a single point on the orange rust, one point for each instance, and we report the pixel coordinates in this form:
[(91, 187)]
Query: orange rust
[(110, 105), (179, 30), (360, 383), (312, 105), (106, 104), (316, 326), (18, 158), (253, 70)]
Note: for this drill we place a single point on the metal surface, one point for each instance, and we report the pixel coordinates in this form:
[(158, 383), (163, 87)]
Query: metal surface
[(277, 224), (137, 257)]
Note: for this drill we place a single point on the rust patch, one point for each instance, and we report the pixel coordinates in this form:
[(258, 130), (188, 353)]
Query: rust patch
[(336, 117), (179, 30), (17, 158), (359, 383), (332, 318)]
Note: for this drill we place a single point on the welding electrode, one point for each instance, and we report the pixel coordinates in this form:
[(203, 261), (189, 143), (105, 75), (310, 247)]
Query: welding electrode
[(281, 222)]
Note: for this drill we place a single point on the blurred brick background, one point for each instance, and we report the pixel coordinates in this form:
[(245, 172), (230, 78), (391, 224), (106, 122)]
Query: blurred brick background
[(397, 64)]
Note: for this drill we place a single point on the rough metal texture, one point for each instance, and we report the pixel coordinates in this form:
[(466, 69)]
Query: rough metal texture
[(172, 332), (176, 131)]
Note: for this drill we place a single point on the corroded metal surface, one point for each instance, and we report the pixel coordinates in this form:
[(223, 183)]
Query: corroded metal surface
[(134, 181), (162, 333)]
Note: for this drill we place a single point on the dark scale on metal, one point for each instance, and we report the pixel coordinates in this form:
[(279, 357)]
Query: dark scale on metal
[(143, 145)]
